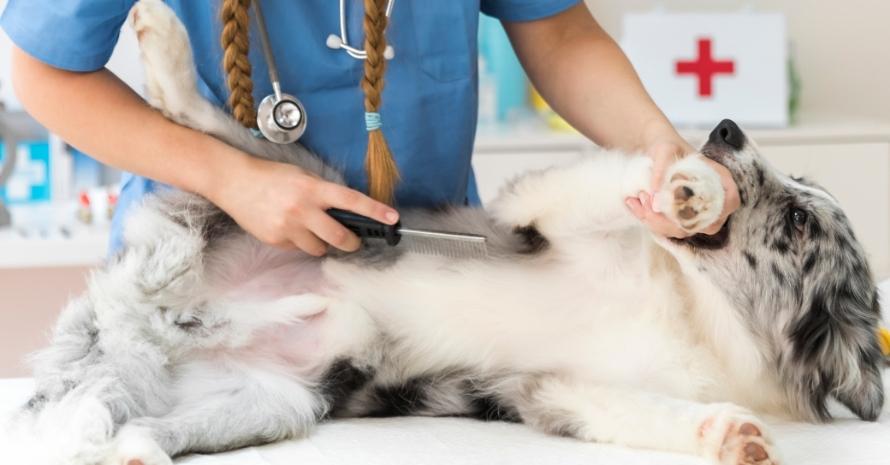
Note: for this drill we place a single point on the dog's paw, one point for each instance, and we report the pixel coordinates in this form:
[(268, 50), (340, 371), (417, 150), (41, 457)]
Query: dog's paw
[(731, 435), (692, 195), (166, 55), (134, 445)]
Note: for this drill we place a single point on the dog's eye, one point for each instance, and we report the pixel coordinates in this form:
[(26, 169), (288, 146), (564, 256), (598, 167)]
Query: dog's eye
[(799, 218)]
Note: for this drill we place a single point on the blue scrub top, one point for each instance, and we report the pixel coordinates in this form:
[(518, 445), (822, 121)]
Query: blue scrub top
[(429, 103)]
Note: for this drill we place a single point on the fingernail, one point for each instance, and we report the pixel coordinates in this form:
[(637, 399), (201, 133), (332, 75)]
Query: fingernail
[(644, 200), (656, 205), (392, 216)]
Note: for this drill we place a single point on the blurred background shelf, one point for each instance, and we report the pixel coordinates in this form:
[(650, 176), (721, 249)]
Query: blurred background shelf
[(533, 135), (82, 249)]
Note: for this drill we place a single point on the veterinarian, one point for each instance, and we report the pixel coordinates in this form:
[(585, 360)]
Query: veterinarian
[(427, 112)]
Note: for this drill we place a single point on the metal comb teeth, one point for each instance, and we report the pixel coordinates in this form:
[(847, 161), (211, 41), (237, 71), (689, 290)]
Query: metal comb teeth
[(445, 244)]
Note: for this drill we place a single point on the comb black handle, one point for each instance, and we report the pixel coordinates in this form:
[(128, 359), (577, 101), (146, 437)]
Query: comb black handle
[(365, 227)]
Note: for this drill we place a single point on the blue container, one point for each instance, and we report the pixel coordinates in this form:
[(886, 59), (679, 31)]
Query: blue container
[(502, 68), (31, 180)]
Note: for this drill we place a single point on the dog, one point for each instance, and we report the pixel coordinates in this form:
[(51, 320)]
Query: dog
[(578, 322)]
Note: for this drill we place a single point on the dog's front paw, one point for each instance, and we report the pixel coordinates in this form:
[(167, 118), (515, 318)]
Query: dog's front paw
[(731, 435), (134, 445), (692, 195)]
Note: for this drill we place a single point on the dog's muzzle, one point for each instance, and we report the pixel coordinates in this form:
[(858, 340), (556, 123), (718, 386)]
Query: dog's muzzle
[(724, 140)]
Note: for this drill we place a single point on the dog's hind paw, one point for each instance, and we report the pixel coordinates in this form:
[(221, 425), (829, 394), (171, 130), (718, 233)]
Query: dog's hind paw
[(733, 436), (166, 56), (692, 195), (134, 445)]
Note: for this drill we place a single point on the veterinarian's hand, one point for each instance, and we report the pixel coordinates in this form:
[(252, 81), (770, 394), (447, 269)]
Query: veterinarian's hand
[(285, 206), (663, 155)]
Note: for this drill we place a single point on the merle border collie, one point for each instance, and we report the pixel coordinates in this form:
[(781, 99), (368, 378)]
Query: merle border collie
[(199, 338)]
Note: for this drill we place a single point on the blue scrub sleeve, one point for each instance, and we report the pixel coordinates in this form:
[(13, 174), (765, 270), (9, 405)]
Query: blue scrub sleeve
[(75, 35), (525, 10)]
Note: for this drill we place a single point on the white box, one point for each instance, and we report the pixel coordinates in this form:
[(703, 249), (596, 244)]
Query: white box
[(703, 67)]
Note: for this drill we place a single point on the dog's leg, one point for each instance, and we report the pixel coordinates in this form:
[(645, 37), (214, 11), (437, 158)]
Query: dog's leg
[(170, 75), (588, 197), (584, 197), (723, 433), (220, 408)]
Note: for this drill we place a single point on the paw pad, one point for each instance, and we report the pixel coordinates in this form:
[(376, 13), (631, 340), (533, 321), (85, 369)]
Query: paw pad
[(693, 195)]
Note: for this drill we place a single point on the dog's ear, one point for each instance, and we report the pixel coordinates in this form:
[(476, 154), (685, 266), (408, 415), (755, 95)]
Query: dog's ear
[(835, 352)]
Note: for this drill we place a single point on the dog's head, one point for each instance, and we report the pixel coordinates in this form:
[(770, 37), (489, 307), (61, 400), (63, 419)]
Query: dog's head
[(789, 262)]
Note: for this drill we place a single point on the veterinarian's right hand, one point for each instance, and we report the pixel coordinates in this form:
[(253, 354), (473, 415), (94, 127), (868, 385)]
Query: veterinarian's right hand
[(285, 206)]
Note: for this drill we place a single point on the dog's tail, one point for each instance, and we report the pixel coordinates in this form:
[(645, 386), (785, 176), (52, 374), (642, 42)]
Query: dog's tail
[(71, 417)]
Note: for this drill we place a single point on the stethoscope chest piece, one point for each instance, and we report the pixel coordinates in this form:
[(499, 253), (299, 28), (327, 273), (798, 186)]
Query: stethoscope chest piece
[(281, 118)]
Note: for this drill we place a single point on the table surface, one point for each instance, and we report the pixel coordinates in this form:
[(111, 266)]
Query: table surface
[(450, 441)]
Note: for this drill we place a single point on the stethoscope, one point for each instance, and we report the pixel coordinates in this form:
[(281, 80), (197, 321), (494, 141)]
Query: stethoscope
[(281, 118)]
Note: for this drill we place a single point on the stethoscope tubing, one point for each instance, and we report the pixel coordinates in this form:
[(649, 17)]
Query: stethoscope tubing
[(267, 49), (268, 121), (358, 54)]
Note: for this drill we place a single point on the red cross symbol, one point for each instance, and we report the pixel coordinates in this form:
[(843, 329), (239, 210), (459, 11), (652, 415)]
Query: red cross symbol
[(705, 67)]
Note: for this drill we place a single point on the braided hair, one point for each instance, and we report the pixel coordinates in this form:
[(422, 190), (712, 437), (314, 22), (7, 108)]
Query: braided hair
[(235, 45), (383, 174)]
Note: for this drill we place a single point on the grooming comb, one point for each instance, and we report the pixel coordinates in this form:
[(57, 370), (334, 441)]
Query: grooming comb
[(429, 242)]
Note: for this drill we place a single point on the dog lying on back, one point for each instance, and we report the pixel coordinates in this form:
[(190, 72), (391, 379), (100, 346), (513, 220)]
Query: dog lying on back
[(199, 338)]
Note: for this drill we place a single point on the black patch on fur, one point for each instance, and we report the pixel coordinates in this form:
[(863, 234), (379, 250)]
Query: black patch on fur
[(760, 176), (217, 226), (780, 246), (189, 325), (743, 197), (403, 399), (487, 408), (780, 277), (752, 262), (816, 231), (706, 242), (809, 263), (36, 402), (341, 380), (532, 239)]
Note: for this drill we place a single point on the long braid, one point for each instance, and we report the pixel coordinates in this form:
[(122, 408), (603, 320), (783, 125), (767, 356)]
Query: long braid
[(235, 45), (383, 174)]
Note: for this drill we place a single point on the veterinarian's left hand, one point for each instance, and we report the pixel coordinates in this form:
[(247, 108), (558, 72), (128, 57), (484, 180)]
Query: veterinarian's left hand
[(663, 155)]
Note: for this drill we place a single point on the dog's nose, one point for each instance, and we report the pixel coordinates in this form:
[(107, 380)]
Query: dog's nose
[(727, 133)]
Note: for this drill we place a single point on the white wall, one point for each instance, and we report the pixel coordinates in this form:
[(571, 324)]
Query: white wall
[(842, 49)]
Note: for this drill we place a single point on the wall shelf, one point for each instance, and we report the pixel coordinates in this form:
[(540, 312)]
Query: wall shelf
[(82, 249)]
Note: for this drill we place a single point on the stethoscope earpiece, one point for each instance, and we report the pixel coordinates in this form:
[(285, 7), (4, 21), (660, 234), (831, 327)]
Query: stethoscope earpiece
[(336, 42), (342, 41)]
